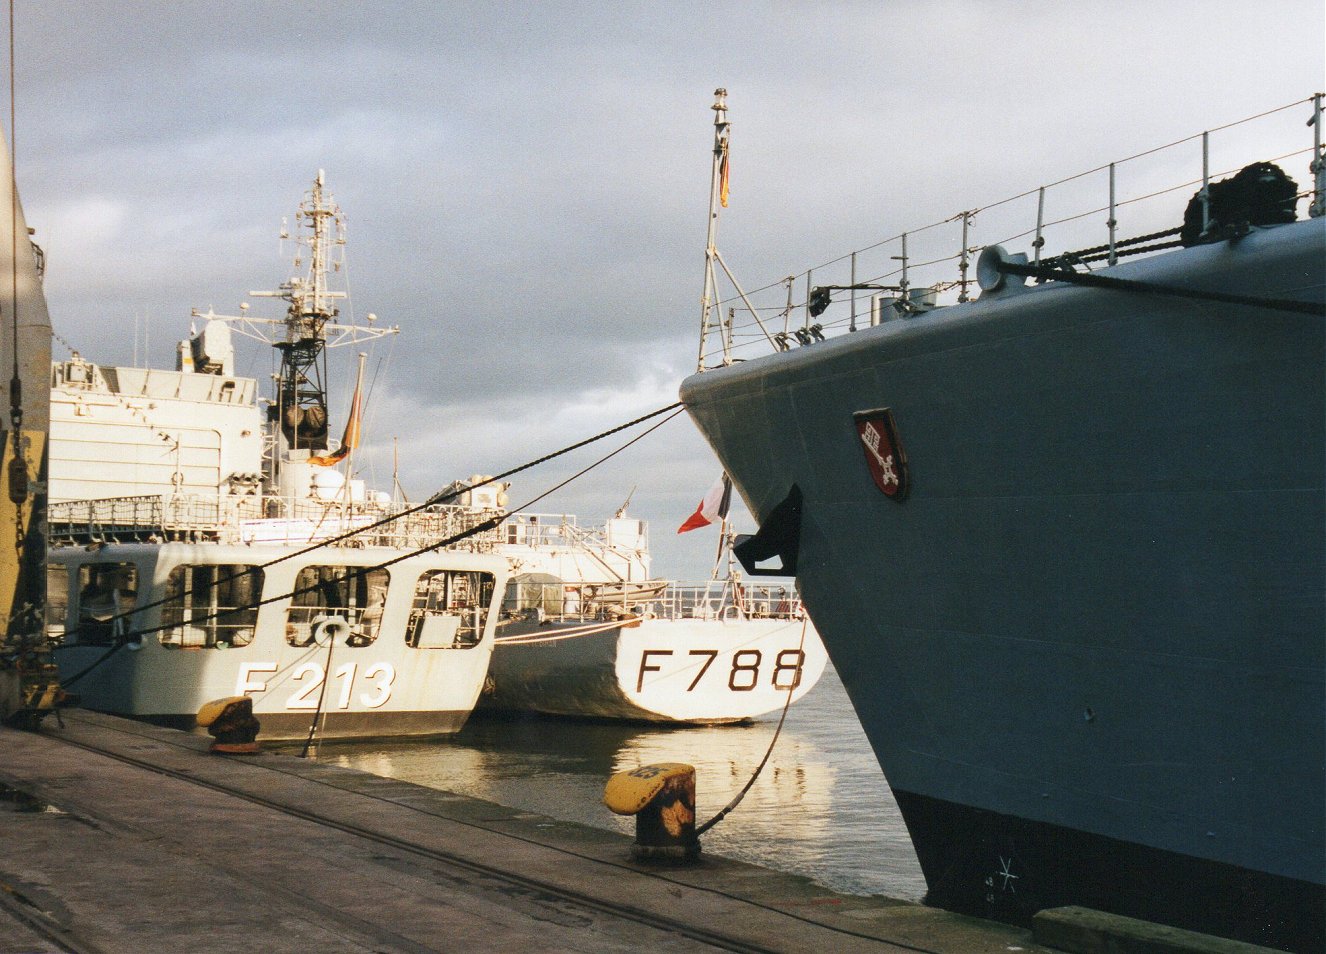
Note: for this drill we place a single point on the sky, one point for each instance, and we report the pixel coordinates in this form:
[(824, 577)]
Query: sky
[(526, 185)]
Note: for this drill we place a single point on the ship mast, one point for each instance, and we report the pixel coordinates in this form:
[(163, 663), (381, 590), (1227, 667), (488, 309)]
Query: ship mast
[(301, 395), (717, 194), (308, 329), (718, 186)]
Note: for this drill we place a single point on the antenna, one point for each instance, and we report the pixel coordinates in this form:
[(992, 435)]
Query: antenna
[(396, 487)]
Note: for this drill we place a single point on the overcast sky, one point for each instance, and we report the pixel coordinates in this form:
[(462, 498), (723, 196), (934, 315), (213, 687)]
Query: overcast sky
[(526, 184)]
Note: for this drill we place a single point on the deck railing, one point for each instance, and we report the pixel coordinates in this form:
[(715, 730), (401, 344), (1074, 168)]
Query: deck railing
[(229, 518), (1131, 206), (233, 518), (662, 599)]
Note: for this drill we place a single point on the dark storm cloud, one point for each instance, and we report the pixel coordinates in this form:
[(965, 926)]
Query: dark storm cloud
[(526, 184)]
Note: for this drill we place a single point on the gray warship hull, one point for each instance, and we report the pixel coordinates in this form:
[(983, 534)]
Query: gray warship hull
[(1087, 643)]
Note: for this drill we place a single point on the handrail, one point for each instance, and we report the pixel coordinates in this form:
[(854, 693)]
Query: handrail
[(1124, 203), (652, 599), (254, 518), (233, 518)]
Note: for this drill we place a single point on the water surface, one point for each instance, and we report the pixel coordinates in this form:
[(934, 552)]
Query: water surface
[(820, 808)]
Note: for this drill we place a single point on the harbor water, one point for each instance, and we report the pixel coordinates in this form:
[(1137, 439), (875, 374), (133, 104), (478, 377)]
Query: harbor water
[(820, 808)]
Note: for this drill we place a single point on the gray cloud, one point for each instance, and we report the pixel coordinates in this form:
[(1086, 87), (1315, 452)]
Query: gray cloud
[(526, 184)]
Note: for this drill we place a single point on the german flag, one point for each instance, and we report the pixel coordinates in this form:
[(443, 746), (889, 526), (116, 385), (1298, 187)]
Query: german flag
[(350, 439), (722, 177)]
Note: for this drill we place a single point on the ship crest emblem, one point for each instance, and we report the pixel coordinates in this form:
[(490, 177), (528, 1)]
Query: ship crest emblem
[(884, 455)]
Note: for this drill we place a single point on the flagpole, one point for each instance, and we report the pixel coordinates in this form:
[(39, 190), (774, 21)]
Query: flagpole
[(721, 131), (356, 414), (718, 554), (718, 183)]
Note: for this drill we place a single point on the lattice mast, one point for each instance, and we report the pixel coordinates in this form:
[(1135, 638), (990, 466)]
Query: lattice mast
[(300, 407), (309, 327), (299, 411)]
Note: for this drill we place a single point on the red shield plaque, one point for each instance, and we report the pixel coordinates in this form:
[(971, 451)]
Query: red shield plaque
[(885, 459)]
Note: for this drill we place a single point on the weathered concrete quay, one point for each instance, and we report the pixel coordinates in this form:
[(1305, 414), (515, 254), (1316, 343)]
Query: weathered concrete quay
[(124, 837)]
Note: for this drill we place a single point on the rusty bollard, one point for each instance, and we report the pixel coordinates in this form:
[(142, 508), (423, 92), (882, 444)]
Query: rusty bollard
[(231, 723), (662, 799)]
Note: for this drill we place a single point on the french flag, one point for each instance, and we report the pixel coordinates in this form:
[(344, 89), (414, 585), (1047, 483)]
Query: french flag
[(713, 507)]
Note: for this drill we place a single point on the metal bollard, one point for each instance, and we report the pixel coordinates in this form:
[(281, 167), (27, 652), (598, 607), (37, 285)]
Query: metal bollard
[(231, 723), (662, 799)]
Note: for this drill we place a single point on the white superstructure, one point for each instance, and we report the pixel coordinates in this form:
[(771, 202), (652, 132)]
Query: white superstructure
[(126, 432), (203, 546)]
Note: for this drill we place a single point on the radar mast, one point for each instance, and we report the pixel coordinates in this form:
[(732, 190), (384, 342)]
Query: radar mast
[(309, 327)]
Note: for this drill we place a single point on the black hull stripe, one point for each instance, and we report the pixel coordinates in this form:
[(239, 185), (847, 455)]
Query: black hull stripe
[(334, 725), (998, 866)]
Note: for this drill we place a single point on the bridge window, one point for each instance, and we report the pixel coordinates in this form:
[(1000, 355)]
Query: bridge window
[(211, 605), (355, 594), (449, 610), (106, 596), (57, 599)]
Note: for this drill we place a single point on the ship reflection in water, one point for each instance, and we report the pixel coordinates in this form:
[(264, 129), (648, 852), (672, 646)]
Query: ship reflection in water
[(816, 809)]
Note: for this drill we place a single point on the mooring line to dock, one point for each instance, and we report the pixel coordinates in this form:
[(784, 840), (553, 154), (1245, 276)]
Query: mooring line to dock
[(736, 800), (448, 496), (357, 572)]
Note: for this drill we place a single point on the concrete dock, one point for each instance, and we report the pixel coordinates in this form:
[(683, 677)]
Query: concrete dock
[(120, 836)]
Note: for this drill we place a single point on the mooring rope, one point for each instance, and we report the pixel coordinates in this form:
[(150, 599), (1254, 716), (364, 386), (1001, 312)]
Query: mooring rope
[(700, 830), (322, 693), (356, 572), (487, 524), (446, 496), (1092, 280)]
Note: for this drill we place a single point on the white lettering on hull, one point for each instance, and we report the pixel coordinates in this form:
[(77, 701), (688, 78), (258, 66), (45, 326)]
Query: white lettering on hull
[(377, 682), (743, 675)]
